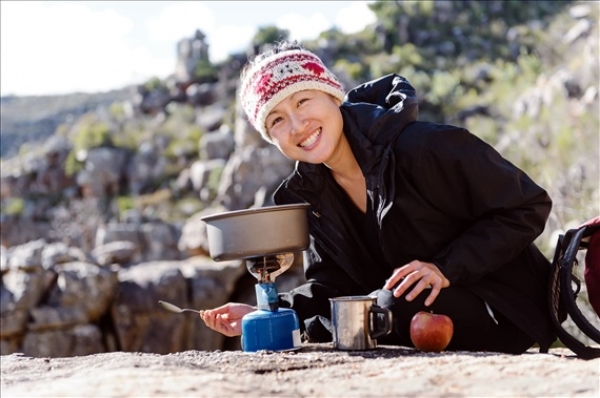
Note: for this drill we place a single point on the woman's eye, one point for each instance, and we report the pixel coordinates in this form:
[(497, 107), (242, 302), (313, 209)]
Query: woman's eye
[(275, 121)]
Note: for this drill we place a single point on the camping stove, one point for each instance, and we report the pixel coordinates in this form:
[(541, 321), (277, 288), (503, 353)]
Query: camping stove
[(266, 238), (270, 327)]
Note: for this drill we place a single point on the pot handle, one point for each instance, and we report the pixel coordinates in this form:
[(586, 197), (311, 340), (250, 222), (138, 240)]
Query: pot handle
[(383, 324)]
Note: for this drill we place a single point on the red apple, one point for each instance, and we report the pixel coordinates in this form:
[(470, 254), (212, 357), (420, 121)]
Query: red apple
[(431, 332)]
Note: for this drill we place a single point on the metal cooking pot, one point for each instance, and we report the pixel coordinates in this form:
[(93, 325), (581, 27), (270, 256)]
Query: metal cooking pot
[(257, 232)]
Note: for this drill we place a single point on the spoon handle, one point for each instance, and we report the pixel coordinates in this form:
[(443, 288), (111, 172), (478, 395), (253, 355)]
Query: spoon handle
[(174, 308), (190, 310)]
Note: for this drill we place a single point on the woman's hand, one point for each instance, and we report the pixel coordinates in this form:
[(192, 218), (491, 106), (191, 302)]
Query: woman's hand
[(226, 319), (420, 273)]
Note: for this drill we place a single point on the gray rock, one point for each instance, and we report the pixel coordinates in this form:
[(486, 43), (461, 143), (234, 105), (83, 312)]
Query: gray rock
[(201, 170), (80, 340), (58, 253), (103, 169), (115, 232), (245, 135), (211, 285), (145, 167), (28, 256), (217, 145), (12, 323), (204, 94), (142, 325), (9, 346), (160, 242), (580, 11), (21, 230), (211, 117), (24, 289), (119, 252), (248, 170), (3, 260), (52, 318), (193, 238), (580, 29), (85, 286)]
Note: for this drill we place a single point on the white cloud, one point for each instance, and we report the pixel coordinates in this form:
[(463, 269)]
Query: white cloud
[(53, 47), (181, 20), (354, 18), (303, 28), (67, 47), (228, 39)]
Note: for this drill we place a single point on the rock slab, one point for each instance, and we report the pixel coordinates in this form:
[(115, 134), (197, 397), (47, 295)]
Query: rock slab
[(316, 370)]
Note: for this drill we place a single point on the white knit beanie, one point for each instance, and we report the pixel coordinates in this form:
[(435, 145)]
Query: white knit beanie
[(275, 77)]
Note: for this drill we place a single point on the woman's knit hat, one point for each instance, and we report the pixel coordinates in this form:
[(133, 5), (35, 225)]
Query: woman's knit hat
[(275, 77)]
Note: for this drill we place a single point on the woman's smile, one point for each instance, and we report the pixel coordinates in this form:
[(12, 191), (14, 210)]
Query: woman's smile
[(311, 139)]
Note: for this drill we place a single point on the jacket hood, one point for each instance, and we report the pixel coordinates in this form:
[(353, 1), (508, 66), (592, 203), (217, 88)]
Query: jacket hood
[(390, 101), (374, 113)]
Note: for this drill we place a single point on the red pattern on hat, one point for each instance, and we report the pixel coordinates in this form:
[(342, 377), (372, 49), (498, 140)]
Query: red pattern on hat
[(314, 67)]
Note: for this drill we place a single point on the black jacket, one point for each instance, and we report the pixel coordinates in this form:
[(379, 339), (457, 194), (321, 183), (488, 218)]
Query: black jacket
[(439, 194)]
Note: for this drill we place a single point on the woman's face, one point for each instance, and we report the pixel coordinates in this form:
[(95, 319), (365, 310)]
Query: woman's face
[(306, 126)]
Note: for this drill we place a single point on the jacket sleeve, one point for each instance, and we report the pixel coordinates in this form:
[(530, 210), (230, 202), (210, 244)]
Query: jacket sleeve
[(501, 209)]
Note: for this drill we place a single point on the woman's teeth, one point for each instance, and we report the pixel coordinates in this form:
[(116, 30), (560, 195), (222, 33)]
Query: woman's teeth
[(310, 140)]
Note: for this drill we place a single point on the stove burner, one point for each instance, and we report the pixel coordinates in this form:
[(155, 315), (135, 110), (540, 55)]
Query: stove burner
[(266, 268)]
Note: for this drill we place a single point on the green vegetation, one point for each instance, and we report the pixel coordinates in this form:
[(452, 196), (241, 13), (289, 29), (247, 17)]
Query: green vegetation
[(154, 83), (89, 133), (268, 35), (13, 206), (206, 70)]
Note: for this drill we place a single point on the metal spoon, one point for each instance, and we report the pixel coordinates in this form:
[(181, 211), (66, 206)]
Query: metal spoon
[(174, 308)]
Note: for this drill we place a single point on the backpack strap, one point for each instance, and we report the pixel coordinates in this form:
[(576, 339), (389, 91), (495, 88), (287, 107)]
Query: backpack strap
[(562, 297)]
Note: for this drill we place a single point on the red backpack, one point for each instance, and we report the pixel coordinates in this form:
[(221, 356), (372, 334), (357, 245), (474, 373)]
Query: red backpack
[(565, 287)]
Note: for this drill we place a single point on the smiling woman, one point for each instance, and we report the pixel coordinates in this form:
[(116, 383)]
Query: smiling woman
[(127, 42), (405, 211)]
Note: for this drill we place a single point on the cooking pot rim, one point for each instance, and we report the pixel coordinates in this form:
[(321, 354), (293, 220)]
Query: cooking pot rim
[(266, 209)]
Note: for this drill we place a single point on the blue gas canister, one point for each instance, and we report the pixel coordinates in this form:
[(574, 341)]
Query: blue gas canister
[(270, 327), (271, 330)]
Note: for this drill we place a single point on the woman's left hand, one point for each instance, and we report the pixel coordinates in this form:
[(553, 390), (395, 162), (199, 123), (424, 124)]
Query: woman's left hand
[(420, 274)]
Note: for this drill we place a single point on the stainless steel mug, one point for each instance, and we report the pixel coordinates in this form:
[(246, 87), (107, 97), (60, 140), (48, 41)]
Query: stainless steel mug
[(356, 324)]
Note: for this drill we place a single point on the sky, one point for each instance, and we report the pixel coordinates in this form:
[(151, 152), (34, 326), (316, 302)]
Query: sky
[(59, 47)]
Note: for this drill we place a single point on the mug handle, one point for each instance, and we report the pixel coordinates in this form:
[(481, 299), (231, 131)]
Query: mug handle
[(386, 324)]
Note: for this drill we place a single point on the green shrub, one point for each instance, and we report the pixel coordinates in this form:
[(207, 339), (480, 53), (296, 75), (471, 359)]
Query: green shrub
[(154, 83), (125, 203), (91, 134), (354, 69), (214, 179), (72, 165), (14, 206), (269, 34), (204, 69)]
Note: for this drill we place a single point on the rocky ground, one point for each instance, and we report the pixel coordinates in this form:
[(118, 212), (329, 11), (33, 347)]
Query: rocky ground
[(316, 370)]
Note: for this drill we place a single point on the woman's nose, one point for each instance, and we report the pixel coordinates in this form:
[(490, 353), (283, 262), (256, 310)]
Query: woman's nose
[(298, 124)]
